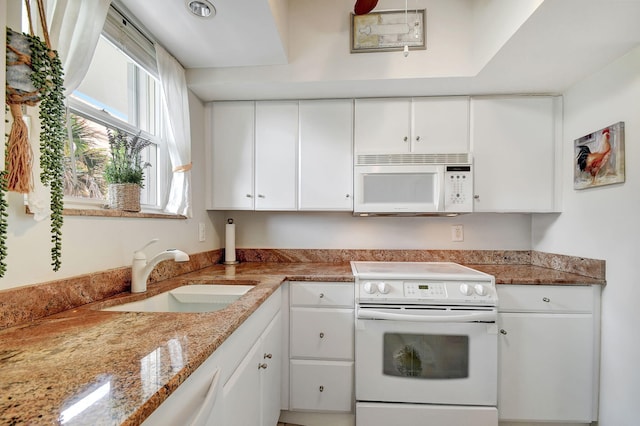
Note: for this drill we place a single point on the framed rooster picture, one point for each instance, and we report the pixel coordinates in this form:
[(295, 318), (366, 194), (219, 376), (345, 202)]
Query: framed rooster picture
[(599, 158)]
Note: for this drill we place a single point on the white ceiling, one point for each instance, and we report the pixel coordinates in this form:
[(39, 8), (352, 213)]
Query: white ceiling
[(561, 42)]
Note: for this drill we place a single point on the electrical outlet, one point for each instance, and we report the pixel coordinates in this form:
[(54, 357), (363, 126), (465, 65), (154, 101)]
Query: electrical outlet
[(202, 232), (457, 233)]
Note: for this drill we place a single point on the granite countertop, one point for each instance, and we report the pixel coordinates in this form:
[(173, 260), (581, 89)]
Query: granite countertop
[(117, 367)]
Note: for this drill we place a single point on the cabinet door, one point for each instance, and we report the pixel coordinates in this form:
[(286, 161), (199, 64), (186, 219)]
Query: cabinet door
[(546, 367), (513, 144), (231, 159), (326, 159), (241, 393), (276, 155), (440, 125), (382, 125), (271, 372)]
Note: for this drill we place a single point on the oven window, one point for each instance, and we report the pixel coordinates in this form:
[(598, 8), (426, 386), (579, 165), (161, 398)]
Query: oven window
[(426, 356)]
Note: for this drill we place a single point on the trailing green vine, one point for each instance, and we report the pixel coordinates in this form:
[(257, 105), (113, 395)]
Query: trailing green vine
[(48, 78)]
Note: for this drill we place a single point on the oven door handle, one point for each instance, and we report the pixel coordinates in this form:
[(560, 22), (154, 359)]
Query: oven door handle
[(484, 316)]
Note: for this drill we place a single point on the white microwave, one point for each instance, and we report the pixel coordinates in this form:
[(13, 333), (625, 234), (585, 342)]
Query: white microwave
[(413, 184)]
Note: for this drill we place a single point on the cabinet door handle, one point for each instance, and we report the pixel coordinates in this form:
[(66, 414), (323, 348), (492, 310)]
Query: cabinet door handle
[(321, 335), (476, 197), (261, 196), (417, 138), (248, 195), (503, 331), (347, 195), (321, 295), (321, 388), (406, 138), (268, 356), (262, 366), (546, 299)]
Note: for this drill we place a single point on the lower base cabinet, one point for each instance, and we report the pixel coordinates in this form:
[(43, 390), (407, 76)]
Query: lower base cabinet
[(251, 396), (321, 347), (239, 384), (321, 385), (548, 353)]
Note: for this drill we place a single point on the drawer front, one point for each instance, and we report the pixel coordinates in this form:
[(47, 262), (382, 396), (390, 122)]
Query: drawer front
[(322, 333), (322, 294), (545, 298), (321, 386)]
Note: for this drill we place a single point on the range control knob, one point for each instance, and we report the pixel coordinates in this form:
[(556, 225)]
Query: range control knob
[(384, 288), (466, 289), (370, 287), (480, 290)]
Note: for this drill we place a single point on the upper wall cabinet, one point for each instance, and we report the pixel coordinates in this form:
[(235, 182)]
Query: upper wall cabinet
[(280, 155), (230, 156), (417, 125), (276, 155), (326, 155), (515, 154)]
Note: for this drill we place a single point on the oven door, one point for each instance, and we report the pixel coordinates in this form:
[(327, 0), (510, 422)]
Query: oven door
[(426, 356)]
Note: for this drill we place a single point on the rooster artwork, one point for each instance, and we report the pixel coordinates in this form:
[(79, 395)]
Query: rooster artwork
[(600, 157)]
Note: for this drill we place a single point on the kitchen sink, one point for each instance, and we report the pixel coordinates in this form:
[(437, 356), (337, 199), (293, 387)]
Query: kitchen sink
[(188, 298)]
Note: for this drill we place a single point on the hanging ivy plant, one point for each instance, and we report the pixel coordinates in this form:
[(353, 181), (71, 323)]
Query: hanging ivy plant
[(46, 74), (48, 79)]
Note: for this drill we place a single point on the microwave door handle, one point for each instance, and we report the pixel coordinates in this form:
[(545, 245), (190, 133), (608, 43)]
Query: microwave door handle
[(487, 316)]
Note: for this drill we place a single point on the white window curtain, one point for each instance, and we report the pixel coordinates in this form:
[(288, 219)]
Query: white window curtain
[(74, 30), (178, 130)]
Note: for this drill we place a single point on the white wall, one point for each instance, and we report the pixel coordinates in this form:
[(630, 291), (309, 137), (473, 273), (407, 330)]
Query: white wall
[(344, 231), (97, 243), (603, 223)]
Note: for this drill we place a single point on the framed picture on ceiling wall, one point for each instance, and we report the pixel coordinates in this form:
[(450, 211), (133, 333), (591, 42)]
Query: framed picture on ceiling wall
[(599, 157), (388, 30)]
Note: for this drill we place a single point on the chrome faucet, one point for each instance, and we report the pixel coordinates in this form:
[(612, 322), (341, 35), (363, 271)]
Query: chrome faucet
[(141, 269)]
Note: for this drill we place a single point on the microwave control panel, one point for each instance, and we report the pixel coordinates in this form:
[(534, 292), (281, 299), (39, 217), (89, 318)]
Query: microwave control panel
[(458, 189)]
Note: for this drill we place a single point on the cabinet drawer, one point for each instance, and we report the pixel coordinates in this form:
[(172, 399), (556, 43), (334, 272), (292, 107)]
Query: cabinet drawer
[(322, 333), (321, 385), (544, 298), (322, 294)]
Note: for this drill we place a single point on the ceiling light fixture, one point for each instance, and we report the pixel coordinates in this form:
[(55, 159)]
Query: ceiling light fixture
[(201, 8)]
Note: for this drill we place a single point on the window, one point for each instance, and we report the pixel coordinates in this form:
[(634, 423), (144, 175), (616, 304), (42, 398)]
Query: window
[(120, 92)]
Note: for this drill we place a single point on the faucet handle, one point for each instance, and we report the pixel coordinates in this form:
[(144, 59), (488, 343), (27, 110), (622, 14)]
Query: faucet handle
[(154, 240)]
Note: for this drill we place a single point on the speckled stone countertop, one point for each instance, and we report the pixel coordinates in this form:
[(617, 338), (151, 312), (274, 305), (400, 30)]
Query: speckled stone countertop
[(123, 365)]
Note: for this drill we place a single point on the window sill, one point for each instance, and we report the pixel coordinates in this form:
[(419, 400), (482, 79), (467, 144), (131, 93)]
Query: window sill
[(115, 213)]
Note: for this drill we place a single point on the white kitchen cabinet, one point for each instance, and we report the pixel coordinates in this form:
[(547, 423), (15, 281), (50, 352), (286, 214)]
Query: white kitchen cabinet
[(515, 153), (326, 155), (321, 347), (412, 125), (548, 353), (276, 155), (230, 176), (270, 358), (232, 386), (251, 396)]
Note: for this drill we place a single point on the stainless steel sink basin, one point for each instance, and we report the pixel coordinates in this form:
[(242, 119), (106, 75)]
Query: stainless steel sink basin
[(188, 298)]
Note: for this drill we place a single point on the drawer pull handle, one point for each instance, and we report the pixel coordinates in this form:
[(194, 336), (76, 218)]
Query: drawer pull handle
[(503, 331), (268, 356), (321, 295), (262, 366), (321, 335), (321, 388), (546, 299)]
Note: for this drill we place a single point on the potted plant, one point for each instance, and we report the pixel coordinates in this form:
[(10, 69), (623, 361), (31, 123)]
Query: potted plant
[(125, 170)]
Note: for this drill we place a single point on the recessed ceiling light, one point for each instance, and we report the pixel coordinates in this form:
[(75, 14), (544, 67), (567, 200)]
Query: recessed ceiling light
[(201, 8)]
